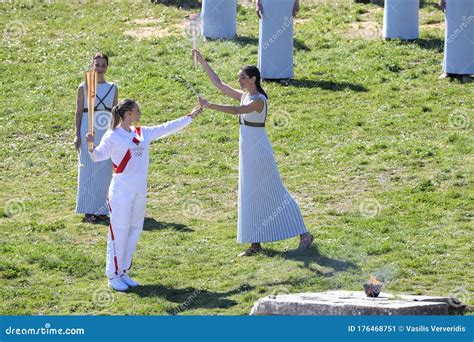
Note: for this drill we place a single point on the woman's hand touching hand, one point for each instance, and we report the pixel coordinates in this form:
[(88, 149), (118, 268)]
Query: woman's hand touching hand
[(203, 102), (195, 112)]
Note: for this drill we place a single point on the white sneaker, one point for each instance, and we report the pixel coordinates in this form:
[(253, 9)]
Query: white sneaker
[(129, 281), (117, 284)]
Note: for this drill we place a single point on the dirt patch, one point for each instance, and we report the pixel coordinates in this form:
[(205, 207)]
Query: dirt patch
[(433, 26), (246, 3), (146, 21), (369, 30), (153, 28), (301, 20), (148, 32)]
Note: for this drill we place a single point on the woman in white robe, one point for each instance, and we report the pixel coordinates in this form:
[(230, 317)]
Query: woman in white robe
[(94, 178), (266, 210), (219, 19), (459, 39), (400, 19), (275, 42)]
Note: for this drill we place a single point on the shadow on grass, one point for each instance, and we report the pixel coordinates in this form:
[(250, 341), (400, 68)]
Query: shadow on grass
[(311, 256), (435, 44), (300, 45), (244, 40), (179, 3), (327, 85), (152, 224), (423, 3), (189, 298)]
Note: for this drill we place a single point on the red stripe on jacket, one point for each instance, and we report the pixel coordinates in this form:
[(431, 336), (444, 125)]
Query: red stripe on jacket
[(123, 163)]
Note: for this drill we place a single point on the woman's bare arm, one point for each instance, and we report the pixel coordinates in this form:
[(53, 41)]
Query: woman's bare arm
[(254, 106), (226, 89), (78, 117)]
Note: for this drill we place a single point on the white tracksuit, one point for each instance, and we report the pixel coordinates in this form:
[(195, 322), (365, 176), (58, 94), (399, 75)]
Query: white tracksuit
[(129, 152)]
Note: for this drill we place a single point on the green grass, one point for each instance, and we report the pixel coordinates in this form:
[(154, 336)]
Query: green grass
[(376, 150)]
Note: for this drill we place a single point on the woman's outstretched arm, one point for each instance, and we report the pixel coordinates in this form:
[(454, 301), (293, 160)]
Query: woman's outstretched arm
[(105, 149), (226, 89), (254, 106), (171, 127)]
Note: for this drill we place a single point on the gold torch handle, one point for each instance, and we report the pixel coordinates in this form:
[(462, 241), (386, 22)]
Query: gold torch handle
[(91, 86)]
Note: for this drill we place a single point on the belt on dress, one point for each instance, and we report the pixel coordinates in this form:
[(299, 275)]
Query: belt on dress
[(252, 124), (106, 109)]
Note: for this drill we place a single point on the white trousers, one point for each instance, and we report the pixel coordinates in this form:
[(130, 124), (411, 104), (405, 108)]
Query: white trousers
[(127, 214)]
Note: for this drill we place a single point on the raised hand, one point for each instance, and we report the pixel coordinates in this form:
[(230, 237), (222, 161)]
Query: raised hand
[(203, 102), (196, 54)]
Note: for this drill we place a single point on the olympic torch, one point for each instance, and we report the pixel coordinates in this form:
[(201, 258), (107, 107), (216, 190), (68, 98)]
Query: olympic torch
[(91, 87)]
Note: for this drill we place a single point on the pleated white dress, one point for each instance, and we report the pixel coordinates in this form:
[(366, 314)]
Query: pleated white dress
[(459, 39), (219, 18), (275, 45), (401, 19), (94, 178), (266, 210)]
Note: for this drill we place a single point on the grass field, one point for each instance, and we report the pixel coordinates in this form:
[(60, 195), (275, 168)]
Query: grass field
[(375, 149)]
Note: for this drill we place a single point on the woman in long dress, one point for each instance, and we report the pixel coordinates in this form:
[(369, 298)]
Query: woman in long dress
[(94, 178), (275, 42), (400, 19), (219, 19), (459, 39), (266, 210)]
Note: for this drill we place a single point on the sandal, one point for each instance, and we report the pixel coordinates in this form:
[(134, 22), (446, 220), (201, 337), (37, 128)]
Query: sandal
[(306, 242), (90, 218), (103, 218), (251, 251)]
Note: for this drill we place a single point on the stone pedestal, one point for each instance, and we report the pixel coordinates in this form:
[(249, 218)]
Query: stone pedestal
[(350, 303)]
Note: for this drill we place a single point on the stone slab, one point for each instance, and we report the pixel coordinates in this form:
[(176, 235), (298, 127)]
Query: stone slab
[(350, 303)]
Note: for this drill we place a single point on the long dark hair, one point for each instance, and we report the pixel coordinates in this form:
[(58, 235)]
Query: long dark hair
[(119, 111), (252, 71), (100, 55)]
